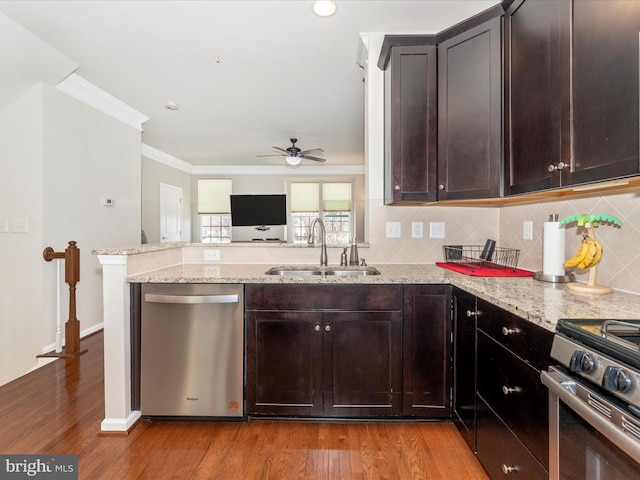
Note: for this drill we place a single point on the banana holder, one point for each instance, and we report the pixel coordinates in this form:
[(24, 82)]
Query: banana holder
[(589, 222)]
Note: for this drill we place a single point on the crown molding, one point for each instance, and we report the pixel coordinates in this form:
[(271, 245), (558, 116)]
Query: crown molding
[(309, 170), (83, 90), (166, 159)]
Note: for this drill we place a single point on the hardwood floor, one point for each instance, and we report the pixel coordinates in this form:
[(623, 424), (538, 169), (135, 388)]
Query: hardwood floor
[(58, 409)]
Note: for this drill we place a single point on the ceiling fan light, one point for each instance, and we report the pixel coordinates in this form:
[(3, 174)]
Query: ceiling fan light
[(324, 8), (293, 160)]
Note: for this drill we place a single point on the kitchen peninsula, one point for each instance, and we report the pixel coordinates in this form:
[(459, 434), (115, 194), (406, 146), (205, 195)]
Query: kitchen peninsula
[(537, 302)]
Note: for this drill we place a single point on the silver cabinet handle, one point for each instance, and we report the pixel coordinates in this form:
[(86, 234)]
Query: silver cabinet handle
[(317, 328), (192, 299), (327, 328), (471, 314), (440, 187), (509, 390), (559, 166), (506, 469), (397, 187), (509, 331)]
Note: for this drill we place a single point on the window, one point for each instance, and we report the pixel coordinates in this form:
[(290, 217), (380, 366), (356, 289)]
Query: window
[(330, 200), (214, 210)]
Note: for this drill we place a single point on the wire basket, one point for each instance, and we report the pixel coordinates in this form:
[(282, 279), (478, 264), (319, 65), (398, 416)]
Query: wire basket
[(476, 256)]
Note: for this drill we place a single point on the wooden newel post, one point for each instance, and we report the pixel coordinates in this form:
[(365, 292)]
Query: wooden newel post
[(71, 257)]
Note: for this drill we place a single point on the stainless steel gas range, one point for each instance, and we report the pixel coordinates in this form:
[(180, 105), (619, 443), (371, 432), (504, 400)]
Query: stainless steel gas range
[(594, 400)]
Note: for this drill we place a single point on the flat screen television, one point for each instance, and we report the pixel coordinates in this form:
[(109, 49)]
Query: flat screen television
[(253, 210)]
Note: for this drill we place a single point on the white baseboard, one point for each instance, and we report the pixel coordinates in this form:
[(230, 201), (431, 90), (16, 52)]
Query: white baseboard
[(83, 333)]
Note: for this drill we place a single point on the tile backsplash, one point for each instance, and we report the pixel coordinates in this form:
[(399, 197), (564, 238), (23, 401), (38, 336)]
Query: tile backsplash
[(619, 268), (620, 264)]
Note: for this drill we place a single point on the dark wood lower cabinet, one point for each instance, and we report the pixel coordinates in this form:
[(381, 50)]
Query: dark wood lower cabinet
[(464, 365), (362, 364), (284, 363), (306, 359), (427, 351), (501, 452)]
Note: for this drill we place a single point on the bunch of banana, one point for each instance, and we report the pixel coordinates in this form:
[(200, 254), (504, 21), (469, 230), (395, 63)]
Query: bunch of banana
[(588, 255)]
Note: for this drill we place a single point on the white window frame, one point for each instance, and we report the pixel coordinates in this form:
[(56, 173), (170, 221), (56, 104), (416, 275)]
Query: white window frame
[(323, 215), (219, 221)]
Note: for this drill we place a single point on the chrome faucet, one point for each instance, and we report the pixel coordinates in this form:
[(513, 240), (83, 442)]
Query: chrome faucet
[(323, 252)]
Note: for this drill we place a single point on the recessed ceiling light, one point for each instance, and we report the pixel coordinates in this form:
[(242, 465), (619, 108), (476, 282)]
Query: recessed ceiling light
[(171, 105), (324, 8)]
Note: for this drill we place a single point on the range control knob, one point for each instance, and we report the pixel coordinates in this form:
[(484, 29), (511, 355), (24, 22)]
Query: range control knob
[(581, 362), (615, 379)]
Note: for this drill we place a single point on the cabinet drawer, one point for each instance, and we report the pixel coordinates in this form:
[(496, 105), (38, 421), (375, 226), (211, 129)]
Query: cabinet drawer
[(527, 340), (323, 297), (514, 391), (499, 449)]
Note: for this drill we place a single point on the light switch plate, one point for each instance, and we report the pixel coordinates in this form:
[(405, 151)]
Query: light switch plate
[(436, 229), (527, 230), (394, 230), (19, 225), (4, 225), (416, 229)]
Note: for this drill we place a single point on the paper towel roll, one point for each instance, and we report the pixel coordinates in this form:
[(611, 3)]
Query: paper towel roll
[(553, 249)]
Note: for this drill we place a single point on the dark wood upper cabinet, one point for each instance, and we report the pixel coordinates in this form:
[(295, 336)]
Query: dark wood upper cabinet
[(605, 90), (410, 136), (537, 94), (470, 113), (571, 88)]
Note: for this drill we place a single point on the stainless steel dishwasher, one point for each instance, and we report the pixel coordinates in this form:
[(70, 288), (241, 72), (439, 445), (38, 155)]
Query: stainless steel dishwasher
[(192, 350)]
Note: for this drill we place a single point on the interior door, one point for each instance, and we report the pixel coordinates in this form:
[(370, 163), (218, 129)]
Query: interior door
[(170, 213)]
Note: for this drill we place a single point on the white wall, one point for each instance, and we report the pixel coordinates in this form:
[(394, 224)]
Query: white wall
[(153, 174), (22, 327), (60, 158)]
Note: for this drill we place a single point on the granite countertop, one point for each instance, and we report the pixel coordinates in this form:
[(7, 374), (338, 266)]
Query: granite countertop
[(541, 303)]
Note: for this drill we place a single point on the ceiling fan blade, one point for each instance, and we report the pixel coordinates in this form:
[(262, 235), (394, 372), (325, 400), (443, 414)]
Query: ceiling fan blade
[(313, 150), (272, 155), (281, 150), (315, 159)]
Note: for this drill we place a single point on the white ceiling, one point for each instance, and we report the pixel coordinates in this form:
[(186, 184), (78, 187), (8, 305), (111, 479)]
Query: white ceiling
[(283, 73)]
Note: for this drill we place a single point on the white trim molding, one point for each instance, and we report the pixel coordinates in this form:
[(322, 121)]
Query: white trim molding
[(309, 170), (80, 89)]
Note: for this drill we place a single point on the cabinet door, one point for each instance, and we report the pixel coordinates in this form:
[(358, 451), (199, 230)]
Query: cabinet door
[(362, 364), (284, 363), (605, 89), (500, 450), (514, 391), (464, 365), (470, 113), (537, 88), (427, 351), (411, 125)]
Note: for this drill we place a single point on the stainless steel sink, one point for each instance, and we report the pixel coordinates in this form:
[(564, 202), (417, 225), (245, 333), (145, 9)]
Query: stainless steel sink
[(312, 270), (352, 271)]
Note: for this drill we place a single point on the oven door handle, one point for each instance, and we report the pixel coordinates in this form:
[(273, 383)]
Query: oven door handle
[(609, 420)]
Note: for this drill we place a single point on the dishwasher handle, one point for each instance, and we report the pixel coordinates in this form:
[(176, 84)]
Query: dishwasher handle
[(190, 299)]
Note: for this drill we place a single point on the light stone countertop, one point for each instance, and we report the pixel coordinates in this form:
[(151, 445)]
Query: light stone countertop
[(541, 303)]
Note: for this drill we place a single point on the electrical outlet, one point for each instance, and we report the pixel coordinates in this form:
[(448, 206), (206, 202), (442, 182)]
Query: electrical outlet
[(416, 230), (527, 230), (393, 230), (436, 229), (211, 255)]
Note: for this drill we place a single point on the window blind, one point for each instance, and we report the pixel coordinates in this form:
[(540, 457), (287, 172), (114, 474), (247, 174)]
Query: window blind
[(213, 195)]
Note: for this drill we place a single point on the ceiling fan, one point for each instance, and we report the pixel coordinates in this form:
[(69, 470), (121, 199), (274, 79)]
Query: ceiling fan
[(293, 155)]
